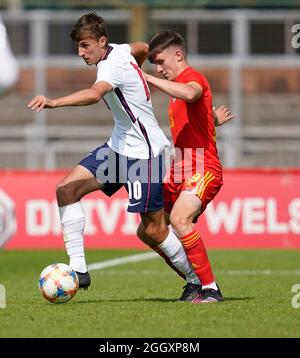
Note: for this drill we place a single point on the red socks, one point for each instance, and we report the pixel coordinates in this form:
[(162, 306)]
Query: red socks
[(197, 255)]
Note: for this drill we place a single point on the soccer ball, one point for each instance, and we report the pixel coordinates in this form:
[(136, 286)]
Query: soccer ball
[(58, 283)]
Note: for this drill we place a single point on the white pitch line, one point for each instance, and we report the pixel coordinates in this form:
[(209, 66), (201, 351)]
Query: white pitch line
[(152, 255), (122, 260), (223, 273), (258, 272)]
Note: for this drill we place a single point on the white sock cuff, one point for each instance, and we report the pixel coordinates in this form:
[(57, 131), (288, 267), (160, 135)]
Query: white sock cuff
[(71, 212), (172, 229), (171, 245)]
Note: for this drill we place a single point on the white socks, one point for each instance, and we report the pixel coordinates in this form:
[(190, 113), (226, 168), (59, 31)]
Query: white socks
[(72, 220), (173, 248)]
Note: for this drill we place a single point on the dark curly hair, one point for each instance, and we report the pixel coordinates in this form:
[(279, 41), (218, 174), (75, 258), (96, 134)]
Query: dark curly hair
[(89, 26)]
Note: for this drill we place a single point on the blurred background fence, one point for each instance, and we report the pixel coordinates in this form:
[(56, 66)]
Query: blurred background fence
[(244, 49)]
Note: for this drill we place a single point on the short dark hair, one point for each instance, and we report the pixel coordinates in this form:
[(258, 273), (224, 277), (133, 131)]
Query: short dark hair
[(163, 40), (89, 26)]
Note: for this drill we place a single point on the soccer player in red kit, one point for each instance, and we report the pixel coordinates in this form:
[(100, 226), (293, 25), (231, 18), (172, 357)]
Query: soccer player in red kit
[(196, 173)]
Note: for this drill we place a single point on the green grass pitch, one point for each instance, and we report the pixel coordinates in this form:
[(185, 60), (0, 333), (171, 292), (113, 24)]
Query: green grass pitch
[(140, 299)]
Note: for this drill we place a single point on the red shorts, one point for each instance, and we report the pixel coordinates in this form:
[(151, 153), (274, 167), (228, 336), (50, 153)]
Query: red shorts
[(205, 186)]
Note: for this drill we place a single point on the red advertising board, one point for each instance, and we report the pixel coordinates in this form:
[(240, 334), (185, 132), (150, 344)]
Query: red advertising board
[(254, 209)]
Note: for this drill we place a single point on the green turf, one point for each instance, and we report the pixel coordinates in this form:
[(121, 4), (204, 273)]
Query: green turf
[(140, 299)]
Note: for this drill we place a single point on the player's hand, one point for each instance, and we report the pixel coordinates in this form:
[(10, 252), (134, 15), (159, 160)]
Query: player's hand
[(222, 115), (40, 102)]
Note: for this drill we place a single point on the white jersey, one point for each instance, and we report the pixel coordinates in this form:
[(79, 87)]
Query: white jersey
[(8, 63), (136, 133)]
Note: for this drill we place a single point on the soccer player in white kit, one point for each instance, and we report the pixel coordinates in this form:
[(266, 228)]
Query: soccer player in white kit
[(8, 65), (133, 155)]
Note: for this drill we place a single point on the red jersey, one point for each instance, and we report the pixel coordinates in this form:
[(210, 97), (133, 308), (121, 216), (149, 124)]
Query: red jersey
[(192, 124)]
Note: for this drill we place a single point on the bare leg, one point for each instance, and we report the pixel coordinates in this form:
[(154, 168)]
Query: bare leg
[(142, 236), (70, 190), (186, 207), (75, 185), (155, 232)]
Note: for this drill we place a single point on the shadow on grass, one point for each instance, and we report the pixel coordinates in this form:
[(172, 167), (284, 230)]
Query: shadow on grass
[(238, 299), (130, 300), (156, 299)]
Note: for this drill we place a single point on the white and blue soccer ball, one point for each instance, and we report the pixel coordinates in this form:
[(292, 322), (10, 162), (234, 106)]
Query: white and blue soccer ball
[(58, 283)]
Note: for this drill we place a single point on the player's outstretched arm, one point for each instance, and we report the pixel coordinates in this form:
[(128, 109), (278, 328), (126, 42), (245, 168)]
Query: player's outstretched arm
[(222, 115), (139, 51), (189, 92), (80, 98)]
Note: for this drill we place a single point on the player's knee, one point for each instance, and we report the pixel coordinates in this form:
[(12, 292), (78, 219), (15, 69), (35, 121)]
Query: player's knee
[(143, 237), (66, 193), (180, 222), (156, 233)]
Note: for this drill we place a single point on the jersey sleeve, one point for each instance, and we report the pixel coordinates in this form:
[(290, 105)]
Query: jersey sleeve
[(194, 77), (111, 70), (125, 47), (111, 73)]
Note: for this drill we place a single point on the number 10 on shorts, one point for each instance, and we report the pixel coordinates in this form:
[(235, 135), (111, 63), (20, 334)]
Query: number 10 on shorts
[(134, 190)]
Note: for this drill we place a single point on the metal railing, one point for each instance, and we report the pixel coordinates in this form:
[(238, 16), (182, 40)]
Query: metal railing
[(235, 139)]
